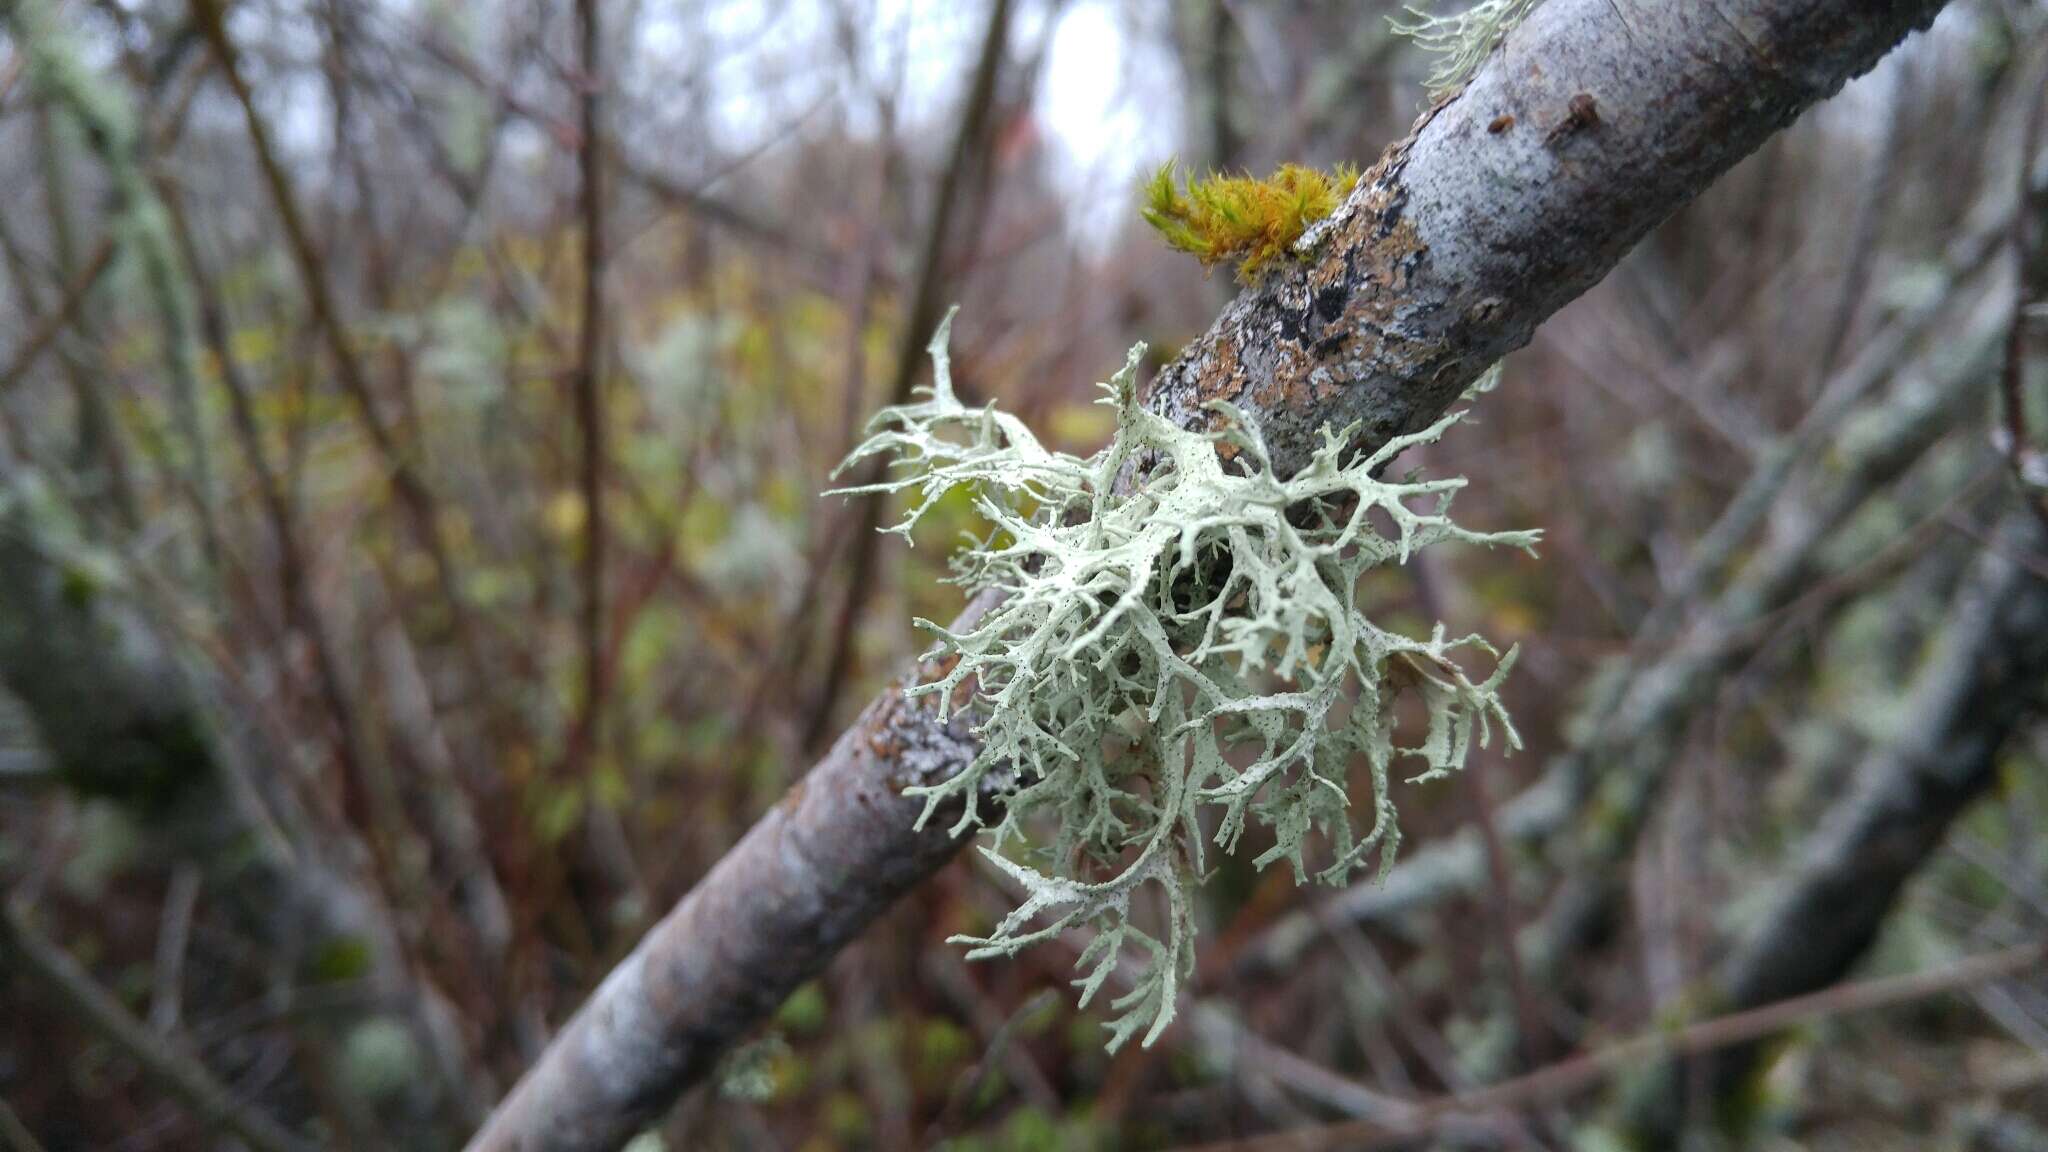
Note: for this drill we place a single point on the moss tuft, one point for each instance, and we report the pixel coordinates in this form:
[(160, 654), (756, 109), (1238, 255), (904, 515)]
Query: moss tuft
[(1219, 218)]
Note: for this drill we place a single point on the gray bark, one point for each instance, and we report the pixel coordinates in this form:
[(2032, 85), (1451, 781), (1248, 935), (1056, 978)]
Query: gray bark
[(1452, 249)]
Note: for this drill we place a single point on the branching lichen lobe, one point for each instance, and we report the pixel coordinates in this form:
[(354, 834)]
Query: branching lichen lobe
[(1132, 628)]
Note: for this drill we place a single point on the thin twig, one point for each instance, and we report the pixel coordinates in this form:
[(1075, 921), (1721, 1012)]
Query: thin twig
[(408, 485), (1588, 1069), (586, 387), (2012, 379), (166, 996), (177, 1073), (58, 319), (918, 322), (16, 1133)]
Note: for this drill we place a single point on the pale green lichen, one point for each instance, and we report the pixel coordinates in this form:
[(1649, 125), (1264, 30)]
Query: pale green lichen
[(1149, 628), (1460, 41)]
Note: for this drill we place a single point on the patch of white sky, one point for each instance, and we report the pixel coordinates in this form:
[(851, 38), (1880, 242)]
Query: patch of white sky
[(1106, 99)]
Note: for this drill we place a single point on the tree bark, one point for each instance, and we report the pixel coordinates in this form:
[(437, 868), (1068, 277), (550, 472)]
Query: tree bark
[(1591, 123)]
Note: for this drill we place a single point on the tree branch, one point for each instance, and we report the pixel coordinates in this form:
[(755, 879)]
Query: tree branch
[(126, 716), (1451, 251), (1655, 693), (971, 137), (60, 977), (1554, 1082), (401, 462), (1978, 686), (588, 388), (56, 321)]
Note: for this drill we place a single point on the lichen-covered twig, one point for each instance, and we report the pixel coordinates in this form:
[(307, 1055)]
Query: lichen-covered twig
[(1448, 255), (110, 130)]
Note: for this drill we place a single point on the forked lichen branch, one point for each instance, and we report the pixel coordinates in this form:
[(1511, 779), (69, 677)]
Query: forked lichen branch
[(1178, 643), (1461, 40)]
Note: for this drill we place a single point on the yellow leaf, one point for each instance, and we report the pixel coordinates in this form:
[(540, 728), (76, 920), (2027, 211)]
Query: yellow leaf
[(564, 514)]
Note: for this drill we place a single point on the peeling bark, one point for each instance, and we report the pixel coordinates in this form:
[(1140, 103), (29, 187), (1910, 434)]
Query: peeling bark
[(1446, 257)]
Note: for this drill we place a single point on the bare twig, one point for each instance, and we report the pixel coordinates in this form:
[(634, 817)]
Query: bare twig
[(301, 610), (1590, 1069), (587, 388), (1977, 687), (998, 1050), (55, 321), (16, 1133), (971, 137), (175, 932), (413, 493), (177, 1073), (2027, 469)]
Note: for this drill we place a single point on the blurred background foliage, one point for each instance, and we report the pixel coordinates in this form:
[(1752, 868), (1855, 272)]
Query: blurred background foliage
[(330, 754)]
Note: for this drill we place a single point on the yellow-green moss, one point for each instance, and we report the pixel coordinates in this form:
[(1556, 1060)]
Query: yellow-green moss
[(1222, 217)]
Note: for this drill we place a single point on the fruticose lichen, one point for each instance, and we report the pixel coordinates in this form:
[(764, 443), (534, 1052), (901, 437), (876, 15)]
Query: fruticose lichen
[(1461, 41), (1180, 653)]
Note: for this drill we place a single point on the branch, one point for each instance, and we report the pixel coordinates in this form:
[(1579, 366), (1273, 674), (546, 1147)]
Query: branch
[(971, 138), (1981, 684), (1451, 251), (1575, 1074), (401, 462), (127, 716), (587, 387), (178, 1073), (1653, 695), (16, 1134), (55, 322)]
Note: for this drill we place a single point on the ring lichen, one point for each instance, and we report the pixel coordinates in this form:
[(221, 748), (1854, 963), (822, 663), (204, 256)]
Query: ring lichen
[(1176, 645)]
